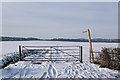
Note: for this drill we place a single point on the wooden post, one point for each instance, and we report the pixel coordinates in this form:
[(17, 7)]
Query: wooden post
[(91, 51), (20, 53), (80, 53), (90, 56)]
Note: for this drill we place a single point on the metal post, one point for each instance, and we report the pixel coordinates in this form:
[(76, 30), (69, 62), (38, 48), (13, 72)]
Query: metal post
[(20, 53), (50, 53), (80, 53)]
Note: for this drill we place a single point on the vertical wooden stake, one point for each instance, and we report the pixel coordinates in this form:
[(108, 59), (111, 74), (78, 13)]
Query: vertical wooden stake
[(80, 53), (91, 51), (20, 53), (90, 57)]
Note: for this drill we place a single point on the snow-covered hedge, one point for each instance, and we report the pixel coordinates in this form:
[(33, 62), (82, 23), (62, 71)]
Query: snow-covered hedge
[(9, 58), (14, 57)]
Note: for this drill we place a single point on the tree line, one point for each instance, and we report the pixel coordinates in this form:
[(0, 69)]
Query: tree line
[(57, 39)]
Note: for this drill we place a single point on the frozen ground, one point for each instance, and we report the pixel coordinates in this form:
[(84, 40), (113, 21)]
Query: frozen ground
[(27, 69)]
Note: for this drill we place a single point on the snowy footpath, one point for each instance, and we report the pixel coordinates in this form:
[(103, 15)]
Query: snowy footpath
[(27, 69)]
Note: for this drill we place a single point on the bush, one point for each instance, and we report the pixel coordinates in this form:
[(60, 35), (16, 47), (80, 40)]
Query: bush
[(109, 58)]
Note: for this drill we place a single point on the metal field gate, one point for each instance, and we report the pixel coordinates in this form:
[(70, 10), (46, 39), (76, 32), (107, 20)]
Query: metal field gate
[(50, 53)]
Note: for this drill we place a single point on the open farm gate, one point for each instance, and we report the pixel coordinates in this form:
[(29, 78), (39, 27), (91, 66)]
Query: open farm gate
[(50, 53)]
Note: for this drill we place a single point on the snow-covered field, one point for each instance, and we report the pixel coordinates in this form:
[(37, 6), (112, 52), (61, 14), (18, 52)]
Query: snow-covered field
[(12, 46), (26, 69)]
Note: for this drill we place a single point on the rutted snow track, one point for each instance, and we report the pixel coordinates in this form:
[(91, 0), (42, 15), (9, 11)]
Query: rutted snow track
[(52, 72), (27, 69)]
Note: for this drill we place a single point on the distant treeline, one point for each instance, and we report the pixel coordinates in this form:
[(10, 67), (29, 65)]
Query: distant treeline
[(17, 39), (58, 39)]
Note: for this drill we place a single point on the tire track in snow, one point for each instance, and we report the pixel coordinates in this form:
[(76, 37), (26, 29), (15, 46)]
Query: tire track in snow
[(44, 75), (20, 71), (27, 72), (52, 72), (24, 70)]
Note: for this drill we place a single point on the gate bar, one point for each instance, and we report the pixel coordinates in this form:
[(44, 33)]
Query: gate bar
[(50, 46)]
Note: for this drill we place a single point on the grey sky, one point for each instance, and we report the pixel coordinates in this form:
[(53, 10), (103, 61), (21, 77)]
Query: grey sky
[(55, 20)]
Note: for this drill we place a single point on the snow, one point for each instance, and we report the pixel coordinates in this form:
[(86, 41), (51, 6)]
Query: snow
[(48, 69), (26, 69), (12, 46)]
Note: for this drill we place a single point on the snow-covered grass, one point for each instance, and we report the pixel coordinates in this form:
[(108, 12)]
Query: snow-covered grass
[(27, 69)]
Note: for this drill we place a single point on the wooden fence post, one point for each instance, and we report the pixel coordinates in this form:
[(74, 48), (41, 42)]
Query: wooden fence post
[(20, 53), (80, 53), (91, 51)]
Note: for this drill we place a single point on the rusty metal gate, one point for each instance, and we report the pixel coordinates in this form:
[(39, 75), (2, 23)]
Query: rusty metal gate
[(50, 53)]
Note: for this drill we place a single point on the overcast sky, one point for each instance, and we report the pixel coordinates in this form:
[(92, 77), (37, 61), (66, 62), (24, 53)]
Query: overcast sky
[(60, 20)]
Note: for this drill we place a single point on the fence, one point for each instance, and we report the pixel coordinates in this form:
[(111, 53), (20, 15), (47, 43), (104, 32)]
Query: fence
[(50, 53)]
